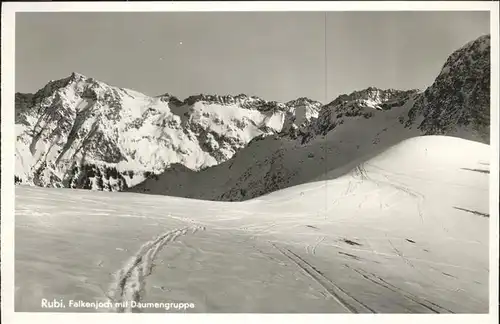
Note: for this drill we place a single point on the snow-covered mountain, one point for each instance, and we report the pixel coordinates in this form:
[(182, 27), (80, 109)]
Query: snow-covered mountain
[(78, 132), (350, 129)]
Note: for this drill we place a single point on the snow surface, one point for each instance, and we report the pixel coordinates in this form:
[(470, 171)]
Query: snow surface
[(404, 232)]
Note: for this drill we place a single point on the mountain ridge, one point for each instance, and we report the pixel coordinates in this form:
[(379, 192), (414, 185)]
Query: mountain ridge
[(200, 131), (77, 76), (349, 130), (78, 132)]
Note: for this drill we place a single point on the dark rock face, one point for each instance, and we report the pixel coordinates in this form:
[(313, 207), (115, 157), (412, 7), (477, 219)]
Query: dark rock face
[(459, 98)]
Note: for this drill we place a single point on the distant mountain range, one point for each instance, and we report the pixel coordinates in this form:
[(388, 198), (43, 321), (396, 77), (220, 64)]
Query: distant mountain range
[(81, 133)]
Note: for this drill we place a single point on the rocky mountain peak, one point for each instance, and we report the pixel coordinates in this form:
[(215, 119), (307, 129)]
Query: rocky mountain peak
[(75, 76), (459, 99), (303, 101), (370, 97)]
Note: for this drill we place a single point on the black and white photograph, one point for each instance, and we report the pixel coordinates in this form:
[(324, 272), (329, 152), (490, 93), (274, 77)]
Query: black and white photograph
[(263, 162)]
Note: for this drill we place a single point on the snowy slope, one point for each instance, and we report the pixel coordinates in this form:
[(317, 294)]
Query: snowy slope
[(82, 133), (350, 129), (404, 232)]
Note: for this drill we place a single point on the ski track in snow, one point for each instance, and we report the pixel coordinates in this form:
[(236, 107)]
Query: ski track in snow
[(363, 174), (320, 240), (131, 279), (383, 283), (351, 304)]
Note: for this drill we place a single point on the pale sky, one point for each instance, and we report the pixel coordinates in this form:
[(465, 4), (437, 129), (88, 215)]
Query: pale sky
[(276, 56)]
